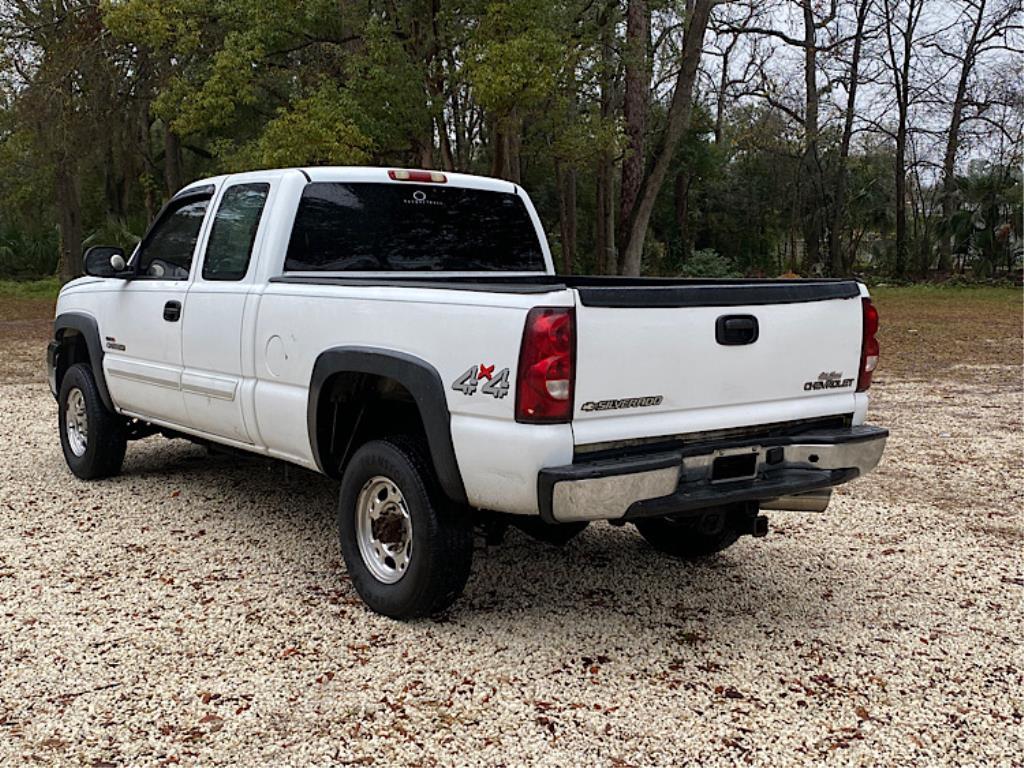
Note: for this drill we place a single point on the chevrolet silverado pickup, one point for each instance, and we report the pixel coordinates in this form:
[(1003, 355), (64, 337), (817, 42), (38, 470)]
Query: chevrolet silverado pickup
[(405, 332)]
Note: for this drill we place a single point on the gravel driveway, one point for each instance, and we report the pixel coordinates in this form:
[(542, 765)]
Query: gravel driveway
[(194, 610)]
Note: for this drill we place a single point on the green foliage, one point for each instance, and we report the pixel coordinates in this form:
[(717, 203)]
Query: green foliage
[(114, 231), (132, 98), (986, 228), (386, 92), (518, 57), (24, 254), (316, 130), (707, 263), (45, 288)]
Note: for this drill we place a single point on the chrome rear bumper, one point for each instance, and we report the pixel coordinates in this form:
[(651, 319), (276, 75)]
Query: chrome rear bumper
[(780, 473)]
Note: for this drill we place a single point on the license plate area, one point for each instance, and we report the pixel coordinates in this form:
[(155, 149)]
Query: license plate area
[(725, 465), (737, 466)]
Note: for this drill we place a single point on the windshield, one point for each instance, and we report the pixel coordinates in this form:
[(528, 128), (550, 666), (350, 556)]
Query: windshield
[(406, 227)]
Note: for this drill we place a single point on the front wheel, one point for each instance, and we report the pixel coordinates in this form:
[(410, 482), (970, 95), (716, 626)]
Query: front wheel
[(408, 553), (93, 438)]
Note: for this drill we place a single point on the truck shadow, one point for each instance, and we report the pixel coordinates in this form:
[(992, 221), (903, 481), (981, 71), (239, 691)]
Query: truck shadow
[(611, 576), (606, 580)]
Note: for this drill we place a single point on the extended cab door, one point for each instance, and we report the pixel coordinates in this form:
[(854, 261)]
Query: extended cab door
[(142, 320), (213, 376)]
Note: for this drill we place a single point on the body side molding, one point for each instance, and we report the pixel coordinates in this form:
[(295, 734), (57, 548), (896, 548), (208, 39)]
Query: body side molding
[(421, 380), (87, 326)]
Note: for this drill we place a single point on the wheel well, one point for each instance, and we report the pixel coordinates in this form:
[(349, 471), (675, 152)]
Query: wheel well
[(356, 407), (73, 350)]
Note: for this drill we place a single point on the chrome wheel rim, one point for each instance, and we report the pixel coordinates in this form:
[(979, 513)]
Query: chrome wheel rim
[(383, 529), (76, 422)]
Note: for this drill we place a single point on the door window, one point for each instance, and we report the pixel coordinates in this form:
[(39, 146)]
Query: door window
[(167, 250), (234, 231)]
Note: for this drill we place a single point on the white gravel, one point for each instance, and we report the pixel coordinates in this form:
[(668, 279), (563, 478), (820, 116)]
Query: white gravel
[(195, 610)]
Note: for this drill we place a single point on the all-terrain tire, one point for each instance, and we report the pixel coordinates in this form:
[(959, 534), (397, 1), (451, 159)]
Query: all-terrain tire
[(94, 447), (428, 576)]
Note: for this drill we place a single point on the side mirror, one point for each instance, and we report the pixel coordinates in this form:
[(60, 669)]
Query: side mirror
[(105, 261)]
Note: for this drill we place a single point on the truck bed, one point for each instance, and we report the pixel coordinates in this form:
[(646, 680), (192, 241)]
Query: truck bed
[(613, 291)]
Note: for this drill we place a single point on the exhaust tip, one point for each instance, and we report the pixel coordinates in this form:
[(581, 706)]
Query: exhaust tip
[(760, 527), (811, 501)]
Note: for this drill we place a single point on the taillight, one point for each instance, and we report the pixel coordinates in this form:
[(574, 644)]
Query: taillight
[(429, 177), (547, 362), (869, 346)]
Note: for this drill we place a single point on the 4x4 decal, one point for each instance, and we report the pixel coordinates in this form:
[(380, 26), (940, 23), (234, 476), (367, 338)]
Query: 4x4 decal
[(495, 384)]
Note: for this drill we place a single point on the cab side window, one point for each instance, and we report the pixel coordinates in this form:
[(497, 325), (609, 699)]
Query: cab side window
[(167, 251), (234, 231)]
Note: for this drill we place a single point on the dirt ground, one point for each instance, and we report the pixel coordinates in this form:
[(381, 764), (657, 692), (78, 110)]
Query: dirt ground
[(194, 610)]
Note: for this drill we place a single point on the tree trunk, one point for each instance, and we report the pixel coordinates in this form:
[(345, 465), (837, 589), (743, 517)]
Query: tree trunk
[(424, 150), (173, 176), (837, 264), (949, 201), (634, 109), (506, 147), (566, 180), (901, 78), (678, 122), (809, 162), (682, 206), (901, 194), (447, 158), (69, 214), (723, 84), (604, 235)]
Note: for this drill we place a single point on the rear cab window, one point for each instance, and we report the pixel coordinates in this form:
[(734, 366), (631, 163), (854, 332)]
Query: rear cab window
[(374, 227)]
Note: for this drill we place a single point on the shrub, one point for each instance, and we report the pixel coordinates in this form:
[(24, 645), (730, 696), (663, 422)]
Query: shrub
[(708, 263)]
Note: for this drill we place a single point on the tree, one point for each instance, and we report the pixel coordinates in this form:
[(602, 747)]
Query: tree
[(840, 261), (635, 106), (980, 30), (52, 50), (679, 112), (901, 19)]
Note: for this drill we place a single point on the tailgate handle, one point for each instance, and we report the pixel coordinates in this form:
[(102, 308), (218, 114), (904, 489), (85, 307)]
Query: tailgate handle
[(734, 330)]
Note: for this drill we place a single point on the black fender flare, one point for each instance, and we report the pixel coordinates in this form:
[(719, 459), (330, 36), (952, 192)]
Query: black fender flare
[(421, 380), (90, 330)]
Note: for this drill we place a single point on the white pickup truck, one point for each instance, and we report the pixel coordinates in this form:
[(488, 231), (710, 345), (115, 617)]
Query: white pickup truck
[(405, 332)]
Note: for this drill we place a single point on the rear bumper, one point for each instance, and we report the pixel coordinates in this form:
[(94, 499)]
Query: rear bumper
[(679, 481)]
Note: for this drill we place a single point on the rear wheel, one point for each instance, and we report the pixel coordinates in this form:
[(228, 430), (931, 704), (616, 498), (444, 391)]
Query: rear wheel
[(408, 552), (693, 537), (93, 438)]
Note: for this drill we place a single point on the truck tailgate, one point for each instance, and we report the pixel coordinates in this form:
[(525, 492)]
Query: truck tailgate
[(692, 359)]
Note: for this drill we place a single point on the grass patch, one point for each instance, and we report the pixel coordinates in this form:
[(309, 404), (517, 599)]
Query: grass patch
[(926, 330), (46, 288), (28, 300)]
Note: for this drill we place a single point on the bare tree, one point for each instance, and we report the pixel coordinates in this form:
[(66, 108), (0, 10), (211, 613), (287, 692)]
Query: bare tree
[(604, 235), (635, 105), (812, 43), (678, 121), (837, 264), (980, 30), (901, 19)]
